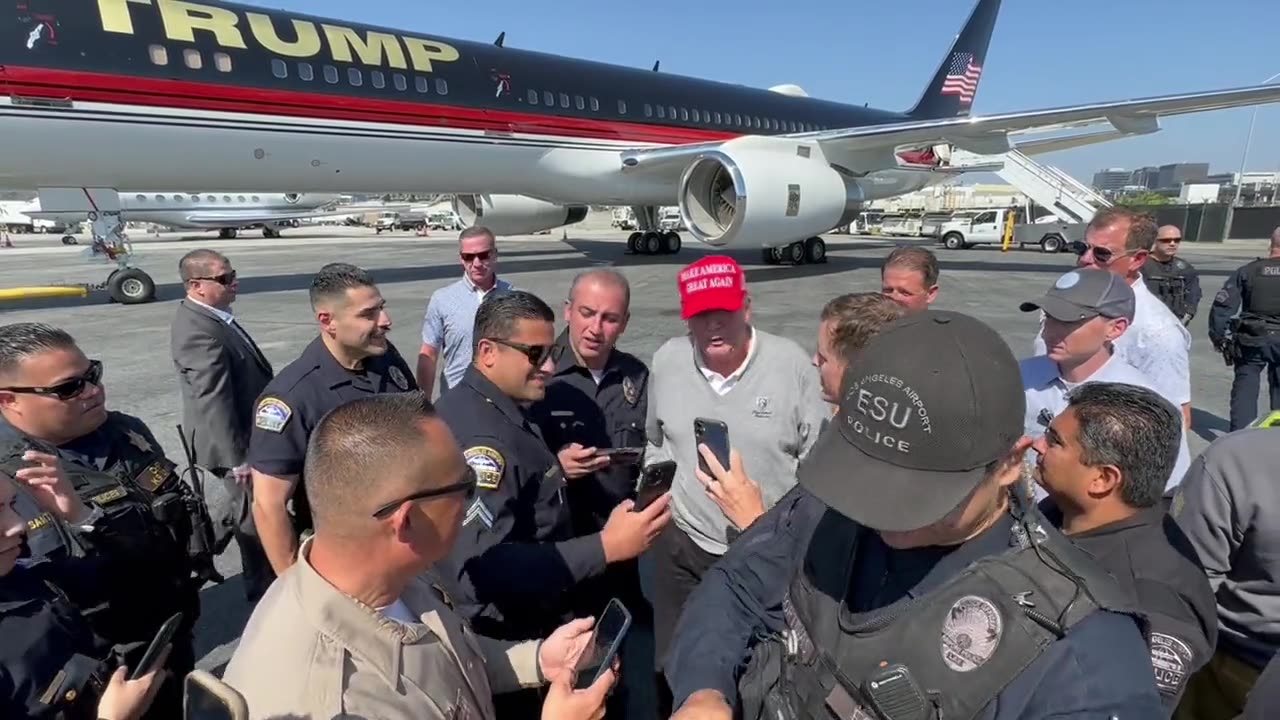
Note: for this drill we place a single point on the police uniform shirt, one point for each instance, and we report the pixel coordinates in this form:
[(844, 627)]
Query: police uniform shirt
[(1182, 296), (294, 402), (516, 556), (1155, 561), (1046, 393), (1254, 289), (604, 413), (1100, 669)]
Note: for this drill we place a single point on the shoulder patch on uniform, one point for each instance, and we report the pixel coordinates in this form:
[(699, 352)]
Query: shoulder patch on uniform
[(488, 465), (397, 377), (1222, 297), (478, 513), (272, 414), (1171, 658), (630, 391)]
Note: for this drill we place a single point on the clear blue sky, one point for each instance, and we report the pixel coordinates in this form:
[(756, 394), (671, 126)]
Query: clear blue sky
[(882, 52)]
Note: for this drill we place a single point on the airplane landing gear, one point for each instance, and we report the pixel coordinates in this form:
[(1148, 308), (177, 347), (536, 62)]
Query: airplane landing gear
[(649, 240), (126, 284), (812, 251), (270, 232), (227, 234)]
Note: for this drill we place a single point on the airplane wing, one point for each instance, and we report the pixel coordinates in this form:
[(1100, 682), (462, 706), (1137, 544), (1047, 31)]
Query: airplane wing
[(870, 148)]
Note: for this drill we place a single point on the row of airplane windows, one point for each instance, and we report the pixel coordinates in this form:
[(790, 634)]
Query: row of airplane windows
[(196, 198), (193, 59)]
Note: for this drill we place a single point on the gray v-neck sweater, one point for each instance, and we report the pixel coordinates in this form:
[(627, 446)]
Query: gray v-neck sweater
[(774, 413)]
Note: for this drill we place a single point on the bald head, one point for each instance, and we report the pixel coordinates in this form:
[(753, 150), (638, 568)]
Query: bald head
[(1168, 241), (201, 263), (373, 451), (602, 277)]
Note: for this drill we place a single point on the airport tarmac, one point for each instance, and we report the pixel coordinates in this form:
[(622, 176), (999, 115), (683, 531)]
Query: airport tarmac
[(133, 341)]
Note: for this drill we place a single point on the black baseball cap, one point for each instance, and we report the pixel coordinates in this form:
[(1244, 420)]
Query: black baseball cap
[(1084, 294), (928, 404)]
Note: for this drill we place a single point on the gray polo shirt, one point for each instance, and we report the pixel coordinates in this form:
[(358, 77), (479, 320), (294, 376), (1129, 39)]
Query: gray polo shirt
[(450, 317)]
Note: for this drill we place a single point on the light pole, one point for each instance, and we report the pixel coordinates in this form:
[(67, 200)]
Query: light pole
[(1244, 158)]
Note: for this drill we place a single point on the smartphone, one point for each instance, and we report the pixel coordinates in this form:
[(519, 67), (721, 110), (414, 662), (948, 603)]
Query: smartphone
[(208, 698), (622, 455), (606, 640), (163, 637), (655, 480), (715, 435)]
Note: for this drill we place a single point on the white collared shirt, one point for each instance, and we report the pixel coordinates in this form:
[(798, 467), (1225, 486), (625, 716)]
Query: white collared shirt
[(223, 315), (722, 384), (475, 289), (1046, 393)]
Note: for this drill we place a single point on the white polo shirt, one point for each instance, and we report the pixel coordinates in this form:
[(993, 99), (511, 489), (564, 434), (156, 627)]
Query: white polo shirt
[(1046, 393), (1156, 343)]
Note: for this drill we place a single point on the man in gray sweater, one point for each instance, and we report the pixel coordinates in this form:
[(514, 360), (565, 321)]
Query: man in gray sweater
[(1229, 507), (762, 386)]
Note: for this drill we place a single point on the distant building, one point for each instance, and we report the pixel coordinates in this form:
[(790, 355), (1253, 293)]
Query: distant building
[(1176, 175), (1145, 177), (1111, 179)]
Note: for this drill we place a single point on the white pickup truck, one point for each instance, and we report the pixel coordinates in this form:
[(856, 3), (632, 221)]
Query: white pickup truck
[(987, 227)]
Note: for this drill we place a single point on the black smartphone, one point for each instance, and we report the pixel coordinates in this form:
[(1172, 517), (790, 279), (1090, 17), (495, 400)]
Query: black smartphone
[(655, 480), (163, 637), (208, 698), (715, 435), (606, 640), (622, 455)]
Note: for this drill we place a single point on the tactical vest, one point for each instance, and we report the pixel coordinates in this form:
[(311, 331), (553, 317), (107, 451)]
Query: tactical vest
[(947, 654), (1260, 311), (1168, 283)]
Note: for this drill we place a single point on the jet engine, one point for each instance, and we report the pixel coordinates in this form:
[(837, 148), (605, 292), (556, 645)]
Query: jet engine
[(515, 214), (764, 192)]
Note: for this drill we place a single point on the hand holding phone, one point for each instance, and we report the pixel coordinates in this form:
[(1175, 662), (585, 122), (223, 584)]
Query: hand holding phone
[(158, 650), (602, 650), (715, 435), (208, 698), (622, 455), (655, 481)]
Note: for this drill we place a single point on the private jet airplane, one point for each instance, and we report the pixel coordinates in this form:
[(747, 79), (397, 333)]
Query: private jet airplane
[(124, 94), (226, 212)]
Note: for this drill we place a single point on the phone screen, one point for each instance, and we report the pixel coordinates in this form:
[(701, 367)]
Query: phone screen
[(606, 638), (163, 637), (655, 480), (202, 703)]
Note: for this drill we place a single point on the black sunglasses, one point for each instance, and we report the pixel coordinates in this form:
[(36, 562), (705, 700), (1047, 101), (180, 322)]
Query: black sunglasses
[(67, 389), (468, 485), (225, 278), (468, 257), (1101, 254), (537, 354), (1169, 240)]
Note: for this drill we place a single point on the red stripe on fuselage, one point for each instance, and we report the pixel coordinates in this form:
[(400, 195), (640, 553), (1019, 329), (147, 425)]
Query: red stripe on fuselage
[(130, 90)]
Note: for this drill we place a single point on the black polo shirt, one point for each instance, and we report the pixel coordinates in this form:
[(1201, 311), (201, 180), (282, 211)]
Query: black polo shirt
[(516, 557), (297, 398), (605, 414), (1148, 554)]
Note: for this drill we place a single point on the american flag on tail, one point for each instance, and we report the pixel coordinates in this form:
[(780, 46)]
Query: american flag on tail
[(962, 77)]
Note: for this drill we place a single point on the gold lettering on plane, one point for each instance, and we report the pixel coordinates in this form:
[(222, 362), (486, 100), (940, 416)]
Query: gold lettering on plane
[(264, 31), (425, 52), (115, 15), (182, 19), (380, 49)]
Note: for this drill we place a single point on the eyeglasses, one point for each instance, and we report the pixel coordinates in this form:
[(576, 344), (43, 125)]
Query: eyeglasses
[(468, 485), (225, 278), (67, 389), (1166, 241), (1103, 255), (472, 257), (537, 354)]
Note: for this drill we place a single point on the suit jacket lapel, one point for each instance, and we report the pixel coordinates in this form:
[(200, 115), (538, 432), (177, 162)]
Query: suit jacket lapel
[(240, 337)]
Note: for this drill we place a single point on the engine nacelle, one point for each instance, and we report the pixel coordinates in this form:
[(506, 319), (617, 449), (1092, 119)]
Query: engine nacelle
[(764, 192), (515, 214)]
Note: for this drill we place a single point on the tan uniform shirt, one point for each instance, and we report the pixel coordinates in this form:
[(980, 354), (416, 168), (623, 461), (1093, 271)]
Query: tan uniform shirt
[(310, 651)]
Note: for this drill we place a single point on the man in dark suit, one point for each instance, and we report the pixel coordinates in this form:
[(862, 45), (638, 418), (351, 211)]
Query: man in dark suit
[(221, 372)]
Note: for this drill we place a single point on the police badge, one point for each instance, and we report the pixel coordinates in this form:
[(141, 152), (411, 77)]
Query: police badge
[(630, 392)]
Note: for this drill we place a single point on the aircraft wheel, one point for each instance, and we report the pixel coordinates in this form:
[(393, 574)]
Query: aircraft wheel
[(633, 242), (766, 254), (652, 243), (671, 242), (815, 250), (270, 233), (131, 286), (69, 240), (795, 253)]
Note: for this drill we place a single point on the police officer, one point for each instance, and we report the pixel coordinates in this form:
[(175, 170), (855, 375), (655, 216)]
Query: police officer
[(52, 400), (595, 403), (517, 557), (351, 358), (1170, 278), (902, 578), (52, 664), (1251, 342), (1104, 461)]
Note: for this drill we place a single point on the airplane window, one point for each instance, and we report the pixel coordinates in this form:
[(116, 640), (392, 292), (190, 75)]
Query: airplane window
[(622, 107), (222, 61), (757, 120), (595, 105), (355, 77), (255, 198), (305, 72), (716, 115), (533, 97), (662, 112), (684, 114), (671, 111), (195, 198), (564, 100), (160, 198), (579, 102), (331, 74), (193, 59), (442, 87), (648, 110), (211, 198), (141, 198), (737, 119), (421, 84), (548, 98), (226, 198), (378, 79), (159, 55), (240, 198), (279, 69), (177, 198), (400, 83), (696, 116)]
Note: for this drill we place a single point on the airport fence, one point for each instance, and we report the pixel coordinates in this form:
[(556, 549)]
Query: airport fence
[(1207, 222)]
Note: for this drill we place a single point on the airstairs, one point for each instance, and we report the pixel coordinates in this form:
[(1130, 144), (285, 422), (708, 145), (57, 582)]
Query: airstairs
[(1050, 188)]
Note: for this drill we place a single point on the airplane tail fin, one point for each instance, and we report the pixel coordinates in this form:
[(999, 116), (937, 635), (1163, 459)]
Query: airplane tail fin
[(954, 86)]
